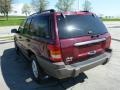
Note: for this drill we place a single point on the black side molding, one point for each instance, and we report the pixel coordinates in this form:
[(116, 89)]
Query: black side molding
[(108, 50)]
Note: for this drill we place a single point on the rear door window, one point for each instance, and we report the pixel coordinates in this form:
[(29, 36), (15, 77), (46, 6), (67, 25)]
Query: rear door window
[(21, 27), (40, 27), (72, 26), (26, 29)]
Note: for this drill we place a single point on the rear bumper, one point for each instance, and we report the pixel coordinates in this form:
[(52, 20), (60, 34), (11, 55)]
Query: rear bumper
[(60, 70)]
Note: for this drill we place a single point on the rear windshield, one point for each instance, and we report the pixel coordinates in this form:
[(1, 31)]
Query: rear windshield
[(71, 26)]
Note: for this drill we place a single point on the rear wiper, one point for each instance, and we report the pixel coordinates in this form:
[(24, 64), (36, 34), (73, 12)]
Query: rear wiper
[(91, 34), (95, 36)]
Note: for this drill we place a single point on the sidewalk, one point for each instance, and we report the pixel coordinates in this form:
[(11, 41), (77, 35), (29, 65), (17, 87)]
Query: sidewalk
[(6, 35), (6, 38), (8, 27), (6, 31), (111, 24), (6, 41), (114, 29)]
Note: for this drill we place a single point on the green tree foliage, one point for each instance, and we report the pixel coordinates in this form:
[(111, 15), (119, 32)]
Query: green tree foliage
[(64, 5)]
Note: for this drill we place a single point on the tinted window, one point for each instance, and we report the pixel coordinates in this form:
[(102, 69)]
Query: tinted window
[(22, 27), (26, 29), (40, 26), (79, 25)]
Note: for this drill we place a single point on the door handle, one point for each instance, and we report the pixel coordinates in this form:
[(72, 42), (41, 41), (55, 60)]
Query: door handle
[(28, 40), (20, 37)]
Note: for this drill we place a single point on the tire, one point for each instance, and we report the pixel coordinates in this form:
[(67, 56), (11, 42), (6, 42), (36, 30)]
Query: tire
[(38, 74), (16, 48)]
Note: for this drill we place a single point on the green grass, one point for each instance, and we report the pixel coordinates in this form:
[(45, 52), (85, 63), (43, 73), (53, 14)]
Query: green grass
[(12, 20), (111, 19), (16, 20)]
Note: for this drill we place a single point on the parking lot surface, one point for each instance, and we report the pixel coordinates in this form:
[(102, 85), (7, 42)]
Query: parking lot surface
[(6, 31), (15, 73)]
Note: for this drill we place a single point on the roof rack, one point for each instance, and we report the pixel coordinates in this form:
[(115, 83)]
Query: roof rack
[(50, 10), (42, 12), (85, 11)]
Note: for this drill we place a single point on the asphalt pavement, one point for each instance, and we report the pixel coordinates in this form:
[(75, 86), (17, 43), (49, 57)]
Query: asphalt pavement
[(15, 73)]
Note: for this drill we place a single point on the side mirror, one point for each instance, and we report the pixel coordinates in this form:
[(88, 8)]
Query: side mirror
[(14, 31)]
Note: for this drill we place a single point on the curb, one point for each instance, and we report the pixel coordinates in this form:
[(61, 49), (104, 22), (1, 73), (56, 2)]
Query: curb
[(7, 41), (3, 36), (118, 40)]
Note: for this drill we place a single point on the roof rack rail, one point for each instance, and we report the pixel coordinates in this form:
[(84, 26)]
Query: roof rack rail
[(50, 10), (85, 11), (42, 12)]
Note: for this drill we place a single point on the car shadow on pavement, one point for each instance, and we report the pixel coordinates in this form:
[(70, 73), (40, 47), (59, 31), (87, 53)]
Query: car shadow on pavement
[(17, 75)]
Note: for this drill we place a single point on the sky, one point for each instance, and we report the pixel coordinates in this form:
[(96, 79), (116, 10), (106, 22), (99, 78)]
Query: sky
[(105, 7)]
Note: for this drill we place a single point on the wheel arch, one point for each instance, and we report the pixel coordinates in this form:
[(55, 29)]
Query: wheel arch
[(30, 53)]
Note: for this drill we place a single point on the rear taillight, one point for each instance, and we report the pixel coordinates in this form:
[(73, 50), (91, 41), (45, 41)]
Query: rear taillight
[(55, 53), (108, 42)]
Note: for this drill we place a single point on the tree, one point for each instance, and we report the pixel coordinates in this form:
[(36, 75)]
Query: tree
[(5, 7), (87, 5), (40, 5), (26, 9), (64, 5)]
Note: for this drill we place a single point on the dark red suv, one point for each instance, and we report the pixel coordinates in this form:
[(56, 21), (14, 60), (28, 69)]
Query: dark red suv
[(63, 44)]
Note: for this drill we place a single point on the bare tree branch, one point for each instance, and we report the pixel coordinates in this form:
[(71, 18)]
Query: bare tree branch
[(87, 5), (5, 7), (26, 9), (64, 5), (40, 5)]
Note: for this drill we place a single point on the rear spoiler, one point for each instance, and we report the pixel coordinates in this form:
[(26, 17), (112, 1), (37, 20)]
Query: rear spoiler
[(89, 42)]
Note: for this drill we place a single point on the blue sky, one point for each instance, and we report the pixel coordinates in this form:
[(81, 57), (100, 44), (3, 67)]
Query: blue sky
[(106, 7)]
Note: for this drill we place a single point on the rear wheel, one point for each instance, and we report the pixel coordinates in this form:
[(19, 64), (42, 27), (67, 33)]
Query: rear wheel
[(37, 72)]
